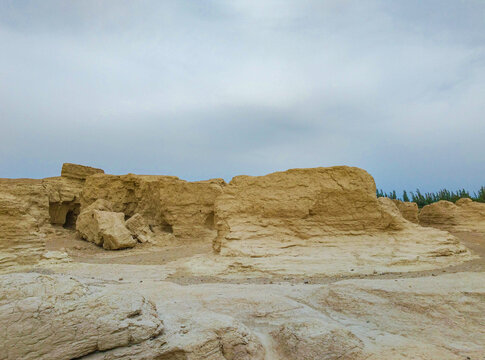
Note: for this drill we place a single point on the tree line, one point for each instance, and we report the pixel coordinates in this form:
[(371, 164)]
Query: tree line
[(431, 197)]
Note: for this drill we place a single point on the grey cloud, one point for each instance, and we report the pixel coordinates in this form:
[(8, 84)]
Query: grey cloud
[(216, 88)]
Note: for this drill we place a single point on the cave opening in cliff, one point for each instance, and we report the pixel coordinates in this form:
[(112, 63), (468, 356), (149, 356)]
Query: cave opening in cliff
[(70, 220), (165, 226)]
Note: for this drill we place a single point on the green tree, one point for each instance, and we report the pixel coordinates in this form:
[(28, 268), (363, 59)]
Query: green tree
[(405, 196)]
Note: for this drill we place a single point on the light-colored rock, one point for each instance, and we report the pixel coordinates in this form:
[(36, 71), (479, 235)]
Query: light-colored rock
[(97, 224), (205, 335), (75, 171), (422, 318), (168, 204), (464, 215), (57, 317), (65, 317), (312, 340), (409, 210), (140, 229), (429, 317)]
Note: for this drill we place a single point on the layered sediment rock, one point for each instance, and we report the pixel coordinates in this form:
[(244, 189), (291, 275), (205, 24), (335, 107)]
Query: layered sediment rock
[(65, 192), (464, 215), (24, 211), (409, 210), (166, 203), (28, 208), (64, 200), (80, 172)]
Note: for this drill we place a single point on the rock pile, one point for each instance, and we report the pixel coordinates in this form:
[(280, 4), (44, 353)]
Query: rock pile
[(98, 224), (167, 204)]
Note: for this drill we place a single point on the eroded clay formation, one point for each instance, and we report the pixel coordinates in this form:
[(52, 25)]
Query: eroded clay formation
[(250, 216), (464, 215), (265, 267)]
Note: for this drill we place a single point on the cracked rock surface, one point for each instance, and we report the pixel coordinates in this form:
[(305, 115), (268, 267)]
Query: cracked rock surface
[(59, 317)]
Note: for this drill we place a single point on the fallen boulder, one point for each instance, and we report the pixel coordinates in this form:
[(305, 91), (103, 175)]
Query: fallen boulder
[(103, 227)]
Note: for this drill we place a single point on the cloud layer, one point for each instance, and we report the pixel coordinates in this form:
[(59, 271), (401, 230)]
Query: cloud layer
[(203, 89)]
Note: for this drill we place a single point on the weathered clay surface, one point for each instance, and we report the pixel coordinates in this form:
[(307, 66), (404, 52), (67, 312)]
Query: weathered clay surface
[(168, 204), (464, 215), (81, 172), (98, 224), (57, 317), (409, 210)]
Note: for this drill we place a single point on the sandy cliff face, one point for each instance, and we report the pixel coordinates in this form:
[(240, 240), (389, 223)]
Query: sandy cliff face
[(29, 208), (464, 215), (24, 210), (168, 204)]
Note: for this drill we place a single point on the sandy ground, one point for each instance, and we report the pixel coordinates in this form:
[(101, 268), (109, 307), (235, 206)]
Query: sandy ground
[(81, 251)]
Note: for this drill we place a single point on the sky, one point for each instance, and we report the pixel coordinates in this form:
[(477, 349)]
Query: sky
[(210, 89)]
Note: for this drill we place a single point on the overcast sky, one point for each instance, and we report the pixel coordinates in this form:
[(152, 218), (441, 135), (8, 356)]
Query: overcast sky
[(203, 89)]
